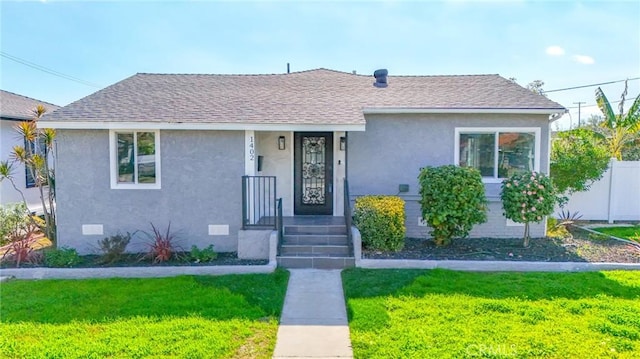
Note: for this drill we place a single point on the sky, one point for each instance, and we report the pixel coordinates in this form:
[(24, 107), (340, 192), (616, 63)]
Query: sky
[(89, 45)]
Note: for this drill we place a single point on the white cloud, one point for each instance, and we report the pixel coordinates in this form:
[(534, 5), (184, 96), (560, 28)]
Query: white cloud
[(555, 51), (584, 59)]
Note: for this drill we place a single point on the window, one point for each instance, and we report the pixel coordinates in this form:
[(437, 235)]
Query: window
[(135, 159), (41, 150), (498, 153)]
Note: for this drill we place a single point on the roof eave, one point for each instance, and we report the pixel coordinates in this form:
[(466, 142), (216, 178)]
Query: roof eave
[(461, 110), (15, 118), (232, 126)]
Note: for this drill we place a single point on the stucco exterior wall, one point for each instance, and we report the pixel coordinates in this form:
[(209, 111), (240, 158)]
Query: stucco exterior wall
[(394, 147), (200, 188), (278, 163)]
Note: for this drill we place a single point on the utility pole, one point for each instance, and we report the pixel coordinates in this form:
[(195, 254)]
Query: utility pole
[(579, 103)]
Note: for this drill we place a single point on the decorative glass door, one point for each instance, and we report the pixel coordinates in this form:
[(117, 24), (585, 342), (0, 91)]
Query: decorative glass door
[(313, 171)]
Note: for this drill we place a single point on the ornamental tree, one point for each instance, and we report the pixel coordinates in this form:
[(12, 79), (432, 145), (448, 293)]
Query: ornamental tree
[(577, 160), (35, 156), (527, 197), (452, 202)]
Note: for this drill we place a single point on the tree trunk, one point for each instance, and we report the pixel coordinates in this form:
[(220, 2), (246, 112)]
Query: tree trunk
[(51, 214), (24, 200), (526, 235)]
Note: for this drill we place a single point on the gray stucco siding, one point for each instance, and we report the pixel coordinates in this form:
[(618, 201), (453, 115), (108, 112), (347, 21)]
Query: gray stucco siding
[(394, 147), (495, 226), (200, 186)]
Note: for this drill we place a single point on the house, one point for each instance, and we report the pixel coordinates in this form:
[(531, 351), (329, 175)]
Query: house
[(211, 154), (14, 109)]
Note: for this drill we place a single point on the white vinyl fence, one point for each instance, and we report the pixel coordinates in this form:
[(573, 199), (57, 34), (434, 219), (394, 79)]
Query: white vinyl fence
[(616, 197)]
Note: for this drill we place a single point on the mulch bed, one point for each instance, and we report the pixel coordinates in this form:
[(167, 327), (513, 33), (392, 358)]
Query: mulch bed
[(135, 260), (583, 247)]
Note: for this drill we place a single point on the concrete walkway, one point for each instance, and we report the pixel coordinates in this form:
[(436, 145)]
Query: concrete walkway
[(314, 317)]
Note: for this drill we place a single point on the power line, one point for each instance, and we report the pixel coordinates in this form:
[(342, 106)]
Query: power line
[(48, 70), (595, 104), (592, 85)]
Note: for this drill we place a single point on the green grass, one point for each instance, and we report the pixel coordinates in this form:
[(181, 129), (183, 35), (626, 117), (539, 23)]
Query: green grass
[(180, 317), (631, 232), (447, 314)]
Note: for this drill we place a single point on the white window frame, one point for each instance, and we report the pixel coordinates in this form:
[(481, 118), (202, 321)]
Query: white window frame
[(113, 161), (495, 130)]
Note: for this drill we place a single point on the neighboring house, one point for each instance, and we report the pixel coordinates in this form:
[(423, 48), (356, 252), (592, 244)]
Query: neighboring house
[(14, 109), (174, 148)]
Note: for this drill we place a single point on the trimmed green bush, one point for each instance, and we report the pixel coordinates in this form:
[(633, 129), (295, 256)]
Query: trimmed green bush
[(452, 202), (203, 255), (61, 257), (380, 220)]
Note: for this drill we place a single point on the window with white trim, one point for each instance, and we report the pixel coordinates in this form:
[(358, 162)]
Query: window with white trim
[(498, 152), (135, 159)]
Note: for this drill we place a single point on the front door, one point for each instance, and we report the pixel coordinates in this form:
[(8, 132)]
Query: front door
[(313, 173)]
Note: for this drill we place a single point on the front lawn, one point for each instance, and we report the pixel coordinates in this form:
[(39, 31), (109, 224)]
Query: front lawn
[(631, 232), (447, 314), (185, 317)]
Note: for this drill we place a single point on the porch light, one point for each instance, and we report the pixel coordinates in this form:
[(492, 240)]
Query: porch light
[(281, 143), (343, 143)]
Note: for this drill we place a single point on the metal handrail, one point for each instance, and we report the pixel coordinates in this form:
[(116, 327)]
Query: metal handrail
[(259, 202), (348, 217), (279, 224)]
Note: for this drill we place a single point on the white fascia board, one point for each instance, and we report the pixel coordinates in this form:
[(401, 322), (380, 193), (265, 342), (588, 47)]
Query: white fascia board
[(147, 125), (401, 110), (556, 116)]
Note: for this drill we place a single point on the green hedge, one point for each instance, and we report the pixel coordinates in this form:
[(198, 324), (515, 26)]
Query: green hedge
[(452, 202), (380, 220)]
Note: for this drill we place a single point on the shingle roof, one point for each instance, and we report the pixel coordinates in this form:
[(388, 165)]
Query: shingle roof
[(18, 107), (318, 96)]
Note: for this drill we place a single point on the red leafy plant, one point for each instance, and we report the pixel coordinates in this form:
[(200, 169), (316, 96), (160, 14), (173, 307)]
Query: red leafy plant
[(22, 239), (162, 245)]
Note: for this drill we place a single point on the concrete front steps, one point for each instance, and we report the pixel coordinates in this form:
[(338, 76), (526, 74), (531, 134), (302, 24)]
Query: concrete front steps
[(322, 246)]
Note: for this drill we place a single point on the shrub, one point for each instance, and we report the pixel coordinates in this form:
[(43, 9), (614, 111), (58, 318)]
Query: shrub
[(22, 236), (203, 255), (577, 160), (112, 248), (452, 201), (380, 220), (527, 197), (161, 245), (556, 229), (12, 216), (61, 257)]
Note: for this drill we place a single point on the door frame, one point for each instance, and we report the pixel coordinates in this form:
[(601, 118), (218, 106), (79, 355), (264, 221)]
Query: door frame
[(298, 207)]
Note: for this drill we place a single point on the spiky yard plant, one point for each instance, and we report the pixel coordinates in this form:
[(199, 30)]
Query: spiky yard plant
[(162, 245)]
